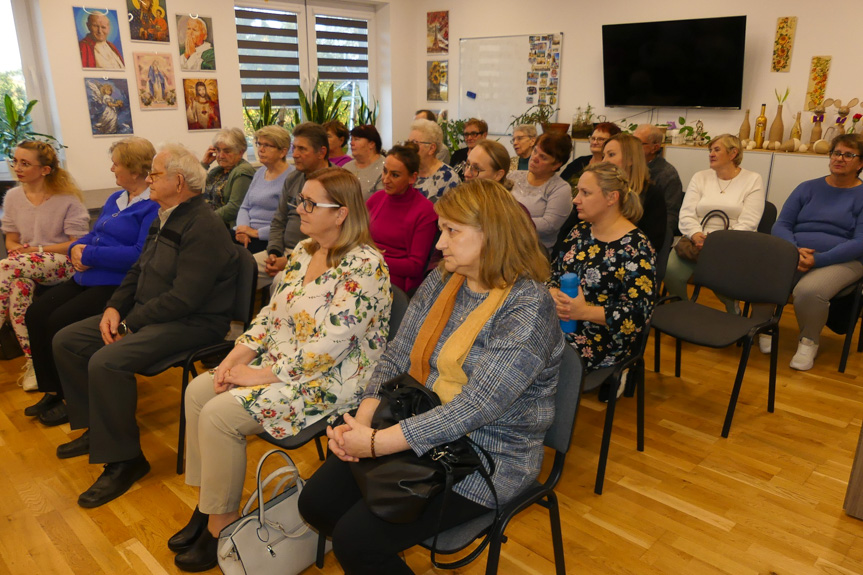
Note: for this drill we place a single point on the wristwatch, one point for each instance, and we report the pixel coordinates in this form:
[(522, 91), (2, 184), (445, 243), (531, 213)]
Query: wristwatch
[(123, 329)]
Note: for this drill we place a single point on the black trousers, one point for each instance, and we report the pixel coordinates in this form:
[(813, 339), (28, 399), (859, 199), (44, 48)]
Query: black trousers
[(363, 543), (60, 306)]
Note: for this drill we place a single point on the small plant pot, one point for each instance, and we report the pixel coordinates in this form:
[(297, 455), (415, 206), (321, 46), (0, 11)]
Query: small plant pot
[(554, 127)]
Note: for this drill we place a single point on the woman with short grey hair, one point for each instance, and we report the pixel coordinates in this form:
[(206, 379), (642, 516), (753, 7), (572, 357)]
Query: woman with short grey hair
[(228, 182), (435, 177)]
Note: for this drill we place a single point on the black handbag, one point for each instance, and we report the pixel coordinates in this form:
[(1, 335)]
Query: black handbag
[(398, 487), (686, 248)]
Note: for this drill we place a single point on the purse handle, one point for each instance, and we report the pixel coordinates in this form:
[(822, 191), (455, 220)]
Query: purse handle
[(716, 214), (291, 468)]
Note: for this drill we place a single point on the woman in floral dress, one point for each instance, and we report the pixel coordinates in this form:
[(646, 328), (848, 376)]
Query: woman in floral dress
[(614, 262), (307, 355)]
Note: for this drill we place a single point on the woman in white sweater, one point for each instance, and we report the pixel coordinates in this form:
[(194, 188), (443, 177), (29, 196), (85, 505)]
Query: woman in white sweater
[(726, 186)]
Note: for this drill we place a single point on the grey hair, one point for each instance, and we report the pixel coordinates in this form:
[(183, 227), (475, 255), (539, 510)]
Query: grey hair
[(430, 131), (181, 161), (528, 130), (232, 138), (654, 134), (275, 134)]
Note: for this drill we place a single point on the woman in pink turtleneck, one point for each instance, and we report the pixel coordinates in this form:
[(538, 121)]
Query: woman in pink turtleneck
[(403, 221)]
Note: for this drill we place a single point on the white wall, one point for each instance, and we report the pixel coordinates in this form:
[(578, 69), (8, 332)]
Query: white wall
[(87, 156), (819, 32)]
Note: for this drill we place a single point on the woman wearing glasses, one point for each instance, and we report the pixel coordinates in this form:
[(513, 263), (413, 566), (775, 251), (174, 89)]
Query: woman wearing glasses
[(601, 134), (523, 141), (229, 181), (435, 177), (262, 199), (824, 219), (475, 131), (402, 222), (296, 364)]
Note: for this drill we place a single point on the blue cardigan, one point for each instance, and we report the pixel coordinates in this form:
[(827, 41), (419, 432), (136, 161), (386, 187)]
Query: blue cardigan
[(115, 242)]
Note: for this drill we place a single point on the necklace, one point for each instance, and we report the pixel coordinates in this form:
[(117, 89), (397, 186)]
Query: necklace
[(727, 183)]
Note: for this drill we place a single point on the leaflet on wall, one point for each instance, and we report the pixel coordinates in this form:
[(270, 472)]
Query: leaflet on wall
[(99, 38), (108, 104), (154, 75), (542, 81), (195, 39), (202, 104)]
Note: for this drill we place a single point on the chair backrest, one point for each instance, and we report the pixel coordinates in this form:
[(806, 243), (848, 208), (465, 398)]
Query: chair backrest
[(566, 400), (768, 218), (247, 284), (397, 312), (747, 266)]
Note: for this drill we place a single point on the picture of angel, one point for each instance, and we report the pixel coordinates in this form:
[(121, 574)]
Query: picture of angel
[(195, 38), (437, 32), (154, 75), (108, 101), (147, 20), (202, 104), (99, 38)]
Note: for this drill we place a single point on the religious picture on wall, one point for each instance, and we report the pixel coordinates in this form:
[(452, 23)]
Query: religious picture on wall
[(154, 74), (437, 34), (108, 102), (148, 20), (195, 38), (99, 38), (437, 80), (202, 103)]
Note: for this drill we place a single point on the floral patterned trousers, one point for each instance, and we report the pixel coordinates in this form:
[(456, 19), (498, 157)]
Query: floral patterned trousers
[(18, 278)]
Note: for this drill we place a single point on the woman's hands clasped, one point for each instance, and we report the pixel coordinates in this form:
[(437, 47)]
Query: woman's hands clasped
[(351, 440)]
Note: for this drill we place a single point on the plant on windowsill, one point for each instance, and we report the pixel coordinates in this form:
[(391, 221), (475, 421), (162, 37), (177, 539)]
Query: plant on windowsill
[(265, 115), (538, 114), (318, 108), (15, 126), (366, 116)]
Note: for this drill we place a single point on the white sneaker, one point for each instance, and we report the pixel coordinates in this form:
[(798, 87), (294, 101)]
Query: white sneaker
[(765, 343), (804, 359), (27, 379)]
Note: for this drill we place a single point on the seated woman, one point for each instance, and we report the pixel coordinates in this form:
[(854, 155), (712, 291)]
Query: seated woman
[(41, 218), (229, 181), (402, 222), (435, 177), (368, 163), (488, 160), (726, 186), (294, 365), (523, 141), (545, 195), (601, 134), (262, 199), (614, 262), (101, 259), (823, 218), (338, 138), (510, 347)]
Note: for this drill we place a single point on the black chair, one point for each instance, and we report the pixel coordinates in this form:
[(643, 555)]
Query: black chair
[(612, 376), (558, 438), (318, 429), (845, 309), (747, 266), (242, 310), (768, 218)]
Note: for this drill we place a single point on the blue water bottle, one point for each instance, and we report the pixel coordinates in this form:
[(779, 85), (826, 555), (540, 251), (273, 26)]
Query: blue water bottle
[(569, 285)]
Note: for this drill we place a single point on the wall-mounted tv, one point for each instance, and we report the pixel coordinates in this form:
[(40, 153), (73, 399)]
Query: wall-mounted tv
[(675, 63)]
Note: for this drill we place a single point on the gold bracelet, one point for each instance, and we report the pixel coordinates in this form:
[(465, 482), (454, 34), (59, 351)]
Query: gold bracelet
[(374, 431)]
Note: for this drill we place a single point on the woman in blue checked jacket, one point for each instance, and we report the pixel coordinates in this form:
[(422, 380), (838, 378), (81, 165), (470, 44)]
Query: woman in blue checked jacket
[(487, 305)]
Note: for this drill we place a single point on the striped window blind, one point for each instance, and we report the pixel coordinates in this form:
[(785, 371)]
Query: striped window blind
[(343, 49), (269, 55)]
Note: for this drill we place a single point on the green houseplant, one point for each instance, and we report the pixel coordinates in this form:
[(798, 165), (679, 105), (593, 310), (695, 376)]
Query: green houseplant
[(538, 114), (265, 115), (316, 107), (365, 115), (452, 133), (15, 126)]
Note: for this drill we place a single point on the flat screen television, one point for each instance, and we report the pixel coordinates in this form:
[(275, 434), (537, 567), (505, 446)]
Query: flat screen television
[(675, 63)]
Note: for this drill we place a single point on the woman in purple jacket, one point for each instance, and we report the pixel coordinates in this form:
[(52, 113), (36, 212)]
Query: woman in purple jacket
[(101, 260)]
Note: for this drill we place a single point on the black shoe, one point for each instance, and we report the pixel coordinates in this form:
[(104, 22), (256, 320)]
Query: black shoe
[(203, 555), (76, 447), (185, 537), (116, 480), (55, 415), (48, 401)]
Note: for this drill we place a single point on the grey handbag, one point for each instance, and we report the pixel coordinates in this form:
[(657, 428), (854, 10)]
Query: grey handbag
[(274, 539)]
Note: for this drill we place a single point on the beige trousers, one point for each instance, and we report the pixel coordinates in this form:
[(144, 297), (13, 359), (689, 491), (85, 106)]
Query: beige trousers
[(216, 430)]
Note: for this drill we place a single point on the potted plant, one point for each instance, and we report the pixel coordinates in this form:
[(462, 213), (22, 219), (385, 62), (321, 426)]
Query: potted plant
[(16, 126), (318, 108), (582, 122), (265, 115), (365, 115), (539, 114), (452, 133)]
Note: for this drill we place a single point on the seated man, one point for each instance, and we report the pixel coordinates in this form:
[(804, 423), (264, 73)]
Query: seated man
[(177, 296)]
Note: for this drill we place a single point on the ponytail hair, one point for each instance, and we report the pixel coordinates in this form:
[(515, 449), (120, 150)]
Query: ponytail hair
[(612, 179), (58, 181)]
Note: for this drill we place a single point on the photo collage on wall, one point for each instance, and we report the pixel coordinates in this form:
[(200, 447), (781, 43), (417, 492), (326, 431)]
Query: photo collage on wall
[(109, 99), (543, 78), (437, 42)]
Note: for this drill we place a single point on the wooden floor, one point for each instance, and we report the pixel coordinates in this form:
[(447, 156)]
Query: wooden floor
[(767, 500)]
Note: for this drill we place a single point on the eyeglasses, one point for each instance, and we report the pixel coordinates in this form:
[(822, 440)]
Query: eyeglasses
[(309, 205), (595, 140), (837, 154), (264, 145), (471, 134), (154, 175), (519, 138), (473, 169), (23, 163), (416, 142)]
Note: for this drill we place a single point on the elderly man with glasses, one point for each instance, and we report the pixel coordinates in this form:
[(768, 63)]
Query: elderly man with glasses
[(475, 131)]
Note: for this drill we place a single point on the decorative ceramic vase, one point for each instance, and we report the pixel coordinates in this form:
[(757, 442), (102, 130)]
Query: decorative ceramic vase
[(777, 128), (745, 128), (796, 129)]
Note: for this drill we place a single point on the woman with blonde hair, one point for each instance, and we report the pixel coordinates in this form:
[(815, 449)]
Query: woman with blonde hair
[(435, 177), (41, 218), (615, 265), (296, 364), (488, 160), (482, 333)]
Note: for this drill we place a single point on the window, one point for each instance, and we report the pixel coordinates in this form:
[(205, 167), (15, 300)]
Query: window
[(343, 58), (11, 76)]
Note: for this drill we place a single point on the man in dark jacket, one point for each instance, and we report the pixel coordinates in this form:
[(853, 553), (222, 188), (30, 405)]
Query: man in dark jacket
[(177, 296)]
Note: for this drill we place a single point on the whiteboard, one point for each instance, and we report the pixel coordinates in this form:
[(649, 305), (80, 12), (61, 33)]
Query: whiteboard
[(494, 70)]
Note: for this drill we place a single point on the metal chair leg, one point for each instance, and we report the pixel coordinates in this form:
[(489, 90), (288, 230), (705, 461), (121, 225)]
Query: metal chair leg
[(678, 345), (656, 334), (774, 356), (556, 534), (319, 556), (606, 437), (639, 392), (735, 391)]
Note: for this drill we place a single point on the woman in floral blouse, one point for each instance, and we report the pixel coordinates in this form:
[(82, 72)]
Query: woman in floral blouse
[(614, 262), (307, 355)]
